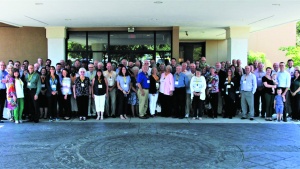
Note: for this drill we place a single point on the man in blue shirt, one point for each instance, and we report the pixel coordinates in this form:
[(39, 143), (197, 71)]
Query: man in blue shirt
[(180, 83), (248, 88), (3, 74), (143, 82)]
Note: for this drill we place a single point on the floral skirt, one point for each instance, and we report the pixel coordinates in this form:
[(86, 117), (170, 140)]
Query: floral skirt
[(133, 99)]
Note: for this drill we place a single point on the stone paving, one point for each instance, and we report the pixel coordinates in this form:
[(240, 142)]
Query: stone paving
[(137, 143)]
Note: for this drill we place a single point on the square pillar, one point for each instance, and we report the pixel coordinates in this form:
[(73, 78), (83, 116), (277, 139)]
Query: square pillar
[(237, 43), (56, 43)]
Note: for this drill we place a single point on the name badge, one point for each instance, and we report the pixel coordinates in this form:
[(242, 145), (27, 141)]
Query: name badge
[(125, 85), (244, 82), (43, 85), (110, 82), (28, 84), (228, 86), (148, 81), (157, 85), (176, 82), (99, 86), (209, 85), (259, 78), (53, 86), (82, 84)]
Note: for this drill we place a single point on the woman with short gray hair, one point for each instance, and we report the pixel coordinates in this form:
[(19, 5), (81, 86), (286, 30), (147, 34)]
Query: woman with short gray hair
[(166, 91), (81, 90)]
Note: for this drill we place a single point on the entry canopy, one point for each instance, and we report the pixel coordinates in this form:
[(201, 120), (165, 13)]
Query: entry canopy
[(202, 19)]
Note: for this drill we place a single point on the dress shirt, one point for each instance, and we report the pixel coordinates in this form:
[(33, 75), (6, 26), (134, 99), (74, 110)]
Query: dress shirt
[(248, 83), (198, 84), (259, 75), (189, 76), (111, 77), (34, 81), (284, 79), (180, 80), (124, 82)]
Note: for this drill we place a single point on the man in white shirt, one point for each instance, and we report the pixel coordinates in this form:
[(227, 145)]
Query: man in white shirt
[(111, 77)]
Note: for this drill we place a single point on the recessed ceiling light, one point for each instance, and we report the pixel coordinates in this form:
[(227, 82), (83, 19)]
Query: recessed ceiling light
[(38, 3), (148, 35), (276, 4), (68, 19), (158, 2)]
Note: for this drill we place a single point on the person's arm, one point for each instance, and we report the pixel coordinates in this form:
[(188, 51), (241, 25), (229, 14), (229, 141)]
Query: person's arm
[(38, 86), (106, 87), (93, 82), (288, 82), (254, 84), (275, 104), (191, 87), (74, 89), (295, 92), (172, 87)]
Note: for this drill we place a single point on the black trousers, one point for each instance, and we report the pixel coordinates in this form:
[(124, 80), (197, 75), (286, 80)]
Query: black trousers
[(122, 102), (66, 105), (214, 99), (259, 95), (166, 105), (83, 105), (52, 106), (2, 101), (33, 106), (179, 102), (230, 107), (296, 106), (198, 104)]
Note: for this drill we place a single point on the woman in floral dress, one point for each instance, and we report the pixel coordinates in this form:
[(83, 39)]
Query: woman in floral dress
[(10, 91)]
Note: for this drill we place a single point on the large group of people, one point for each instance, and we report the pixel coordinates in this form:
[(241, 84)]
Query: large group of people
[(147, 89)]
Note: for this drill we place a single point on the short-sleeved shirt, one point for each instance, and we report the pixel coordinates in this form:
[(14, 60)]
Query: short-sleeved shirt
[(124, 82), (144, 80), (279, 100), (111, 77), (269, 82)]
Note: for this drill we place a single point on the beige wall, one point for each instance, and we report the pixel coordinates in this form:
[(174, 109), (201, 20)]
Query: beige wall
[(270, 40), (216, 51), (23, 43)]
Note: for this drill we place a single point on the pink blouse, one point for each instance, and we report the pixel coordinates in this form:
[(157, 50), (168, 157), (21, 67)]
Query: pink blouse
[(166, 83)]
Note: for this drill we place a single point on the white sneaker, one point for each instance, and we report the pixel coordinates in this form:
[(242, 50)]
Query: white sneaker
[(20, 121), (17, 122), (84, 118)]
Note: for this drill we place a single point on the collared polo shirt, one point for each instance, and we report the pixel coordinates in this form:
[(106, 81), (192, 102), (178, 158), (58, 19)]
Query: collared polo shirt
[(144, 80)]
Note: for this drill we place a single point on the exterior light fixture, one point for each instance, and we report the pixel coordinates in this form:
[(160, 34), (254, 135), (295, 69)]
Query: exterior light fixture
[(186, 33), (158, 2)]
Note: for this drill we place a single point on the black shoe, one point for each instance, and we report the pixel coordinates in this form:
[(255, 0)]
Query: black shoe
[(143, 117), (36, 121), (251, 118), (1, 121), (243, 118), (256, 115), (113, 116), (284, 120), (3, 118), (230, 117)]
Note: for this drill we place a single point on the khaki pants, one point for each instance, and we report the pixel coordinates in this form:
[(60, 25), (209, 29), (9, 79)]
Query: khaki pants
[(143, 102)]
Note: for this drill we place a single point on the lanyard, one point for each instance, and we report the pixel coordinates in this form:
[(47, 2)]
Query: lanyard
[(125, 79), (30, 76), (99, 80), (177, 77)]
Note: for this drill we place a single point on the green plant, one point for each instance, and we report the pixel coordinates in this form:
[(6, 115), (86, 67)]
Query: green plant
[(292, 52), (256, 56)]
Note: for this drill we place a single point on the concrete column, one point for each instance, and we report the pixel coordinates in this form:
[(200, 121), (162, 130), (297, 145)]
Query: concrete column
[(175, 43), (97, 55), (56, 43), (237, 43)]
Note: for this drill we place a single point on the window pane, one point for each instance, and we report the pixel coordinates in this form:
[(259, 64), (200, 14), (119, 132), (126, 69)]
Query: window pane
[(77, 41), (163, 57), (97, 41), (139, 41), (76, 55), (163, 41)]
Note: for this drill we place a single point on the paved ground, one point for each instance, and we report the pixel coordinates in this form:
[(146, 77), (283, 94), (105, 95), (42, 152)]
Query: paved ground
[(152, 143)]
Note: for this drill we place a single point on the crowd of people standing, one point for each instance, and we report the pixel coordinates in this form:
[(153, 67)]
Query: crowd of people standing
[(147, 89)]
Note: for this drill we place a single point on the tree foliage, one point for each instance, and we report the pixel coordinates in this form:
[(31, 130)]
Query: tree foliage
[(256, 56), (292, 52)]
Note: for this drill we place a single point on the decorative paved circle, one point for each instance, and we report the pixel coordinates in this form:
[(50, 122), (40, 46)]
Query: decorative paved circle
[(145, 151)]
